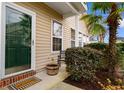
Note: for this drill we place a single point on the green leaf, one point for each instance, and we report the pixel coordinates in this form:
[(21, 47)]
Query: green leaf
[(97, 29)]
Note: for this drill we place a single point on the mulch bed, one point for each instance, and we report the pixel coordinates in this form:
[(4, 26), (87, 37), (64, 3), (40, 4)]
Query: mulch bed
[(83, 84), (88, 85)]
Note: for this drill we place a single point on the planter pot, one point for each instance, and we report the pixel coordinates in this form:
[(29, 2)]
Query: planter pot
[(52, 69)]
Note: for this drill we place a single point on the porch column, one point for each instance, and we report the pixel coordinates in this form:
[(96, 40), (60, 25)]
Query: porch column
[(0, 40), (77, 30)]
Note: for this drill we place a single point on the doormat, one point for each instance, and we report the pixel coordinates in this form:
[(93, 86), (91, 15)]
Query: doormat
[(21, 85)]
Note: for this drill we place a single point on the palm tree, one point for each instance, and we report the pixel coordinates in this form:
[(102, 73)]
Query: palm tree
[(113, 22), (95, 28)]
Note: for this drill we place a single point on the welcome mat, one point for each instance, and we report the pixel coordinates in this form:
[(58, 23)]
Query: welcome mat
[(21, 85)]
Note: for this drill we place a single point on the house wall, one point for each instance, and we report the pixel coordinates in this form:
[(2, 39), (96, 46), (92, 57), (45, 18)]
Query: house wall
[(71, 23), (83, 29), (82, 26), (68, 23), (44, 15)]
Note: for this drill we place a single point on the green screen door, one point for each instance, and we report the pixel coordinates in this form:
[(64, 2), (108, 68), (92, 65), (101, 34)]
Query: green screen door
[(18, 41)]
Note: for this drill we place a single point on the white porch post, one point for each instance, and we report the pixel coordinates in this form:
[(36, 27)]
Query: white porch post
[(77, 30), (0, 40)]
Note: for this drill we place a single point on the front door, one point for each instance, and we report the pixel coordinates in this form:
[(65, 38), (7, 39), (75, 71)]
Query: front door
[(18, 41)]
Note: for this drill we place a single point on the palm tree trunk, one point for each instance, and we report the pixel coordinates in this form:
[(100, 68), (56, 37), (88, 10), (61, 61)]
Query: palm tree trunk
[(113, 25), (112, 48)]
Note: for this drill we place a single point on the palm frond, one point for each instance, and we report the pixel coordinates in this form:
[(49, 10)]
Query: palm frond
[(116, 14), (93, 24), (120, 4), (102, 6), (89, 24), (118, 11), (97, 29), (85, 17), (91, 18)]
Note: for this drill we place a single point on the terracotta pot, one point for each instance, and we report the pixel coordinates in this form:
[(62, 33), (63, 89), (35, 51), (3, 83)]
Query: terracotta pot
[(52, 69)]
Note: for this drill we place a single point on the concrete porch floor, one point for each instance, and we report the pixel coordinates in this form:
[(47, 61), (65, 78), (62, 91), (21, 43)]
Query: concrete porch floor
[(52, 82), (49, 81)]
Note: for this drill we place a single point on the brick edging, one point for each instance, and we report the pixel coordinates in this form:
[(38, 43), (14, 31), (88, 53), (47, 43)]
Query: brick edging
[(9, 80)]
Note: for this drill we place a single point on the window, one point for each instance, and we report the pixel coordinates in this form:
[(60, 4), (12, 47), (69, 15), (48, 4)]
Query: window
[(57, 36), (80, 39), (72, 37)]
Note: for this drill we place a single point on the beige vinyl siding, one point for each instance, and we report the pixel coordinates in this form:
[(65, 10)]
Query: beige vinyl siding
[(44, 15), (82, 26), (84, 30), (68, 23)]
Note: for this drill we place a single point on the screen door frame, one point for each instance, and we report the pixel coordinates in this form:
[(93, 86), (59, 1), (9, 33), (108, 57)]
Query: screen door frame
[(3, 37)]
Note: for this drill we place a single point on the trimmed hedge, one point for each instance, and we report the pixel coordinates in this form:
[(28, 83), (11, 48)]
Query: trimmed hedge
[(104, 48), (98, 46), (120, 47), (82, 62)]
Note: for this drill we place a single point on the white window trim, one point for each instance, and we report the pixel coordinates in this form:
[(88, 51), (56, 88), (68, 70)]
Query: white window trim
[(75, 37), (2, 33), (55, 36), (81, 37)]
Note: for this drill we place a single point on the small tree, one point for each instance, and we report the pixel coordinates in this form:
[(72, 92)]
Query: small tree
[(113, 9)]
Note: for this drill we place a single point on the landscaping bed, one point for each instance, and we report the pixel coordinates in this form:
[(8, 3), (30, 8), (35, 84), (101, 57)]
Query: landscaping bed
[(89, 85), (85, 84), (89, 67)]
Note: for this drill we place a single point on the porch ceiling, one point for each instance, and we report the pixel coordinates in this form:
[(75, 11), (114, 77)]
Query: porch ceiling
[(67, 9)]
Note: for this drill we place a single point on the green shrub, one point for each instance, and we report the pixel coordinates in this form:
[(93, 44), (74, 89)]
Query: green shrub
[(98, 46), (120, 47), (103, 47), (82, 62)]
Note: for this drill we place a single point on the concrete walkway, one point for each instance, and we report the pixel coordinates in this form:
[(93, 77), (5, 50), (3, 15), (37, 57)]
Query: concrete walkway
[(49, 81), (52, 82)]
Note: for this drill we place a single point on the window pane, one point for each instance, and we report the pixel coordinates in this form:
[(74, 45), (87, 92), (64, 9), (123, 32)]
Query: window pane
[(72, 43), (72, 37), (18, 41), (57, 29), (57, 43), (80, 39), (80, 44), (72, 34)]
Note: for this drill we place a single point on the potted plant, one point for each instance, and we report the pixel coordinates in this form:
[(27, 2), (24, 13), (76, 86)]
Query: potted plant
[(52, 68)]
